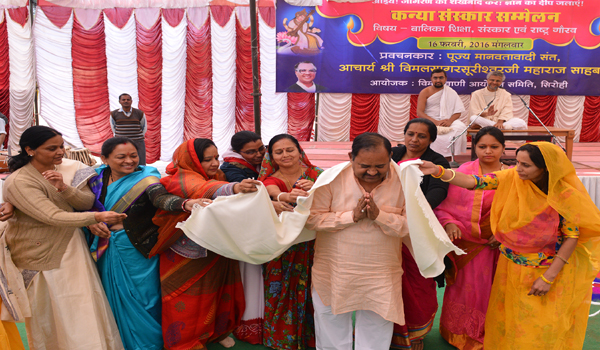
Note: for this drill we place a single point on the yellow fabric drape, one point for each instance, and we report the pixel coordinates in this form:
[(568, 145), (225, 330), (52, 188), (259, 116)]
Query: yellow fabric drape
[(10, 339), (557, 320)]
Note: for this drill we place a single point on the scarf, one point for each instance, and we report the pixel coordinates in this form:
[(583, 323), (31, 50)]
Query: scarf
[(187, 179)]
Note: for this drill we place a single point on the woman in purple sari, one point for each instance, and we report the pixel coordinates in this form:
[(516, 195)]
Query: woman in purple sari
[(465, 215)]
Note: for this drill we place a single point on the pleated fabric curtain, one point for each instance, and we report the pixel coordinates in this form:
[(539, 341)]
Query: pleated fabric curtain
[(4, 67), (197, 122), (90, 81), (18, 69), (189, 70)]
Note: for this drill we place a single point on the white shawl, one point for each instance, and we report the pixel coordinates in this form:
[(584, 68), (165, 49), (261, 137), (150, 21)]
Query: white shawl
[(245, 226)]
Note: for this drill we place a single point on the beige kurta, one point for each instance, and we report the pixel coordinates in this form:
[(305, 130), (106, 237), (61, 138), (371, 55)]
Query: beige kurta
[(358, 266), (502, 104)]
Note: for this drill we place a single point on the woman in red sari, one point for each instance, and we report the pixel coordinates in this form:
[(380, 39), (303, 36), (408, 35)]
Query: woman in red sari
[(288, 174), (202, 293)]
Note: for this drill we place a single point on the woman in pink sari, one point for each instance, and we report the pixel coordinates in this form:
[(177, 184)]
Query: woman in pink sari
[(466, 217)]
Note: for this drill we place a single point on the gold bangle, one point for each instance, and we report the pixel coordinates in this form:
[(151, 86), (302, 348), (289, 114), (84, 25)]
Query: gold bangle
[(440, 174), (561, 258), (545, 280), (452, 178)]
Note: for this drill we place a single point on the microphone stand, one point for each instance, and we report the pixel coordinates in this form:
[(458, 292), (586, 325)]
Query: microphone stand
[(556, 140), (454, 164)]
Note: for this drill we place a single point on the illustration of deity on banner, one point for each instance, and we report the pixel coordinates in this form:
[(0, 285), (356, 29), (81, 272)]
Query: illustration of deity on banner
[(300, 37)]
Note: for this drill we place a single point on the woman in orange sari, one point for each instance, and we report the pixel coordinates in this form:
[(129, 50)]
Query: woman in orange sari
[(202, 293), (549, 233), (466, 217)]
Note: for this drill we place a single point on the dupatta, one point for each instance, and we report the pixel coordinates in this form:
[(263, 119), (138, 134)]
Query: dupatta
[(120, 196), (186, 179), (517, 203)]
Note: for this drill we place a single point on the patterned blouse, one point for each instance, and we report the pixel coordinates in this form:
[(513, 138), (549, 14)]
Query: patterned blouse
[(566, 229)]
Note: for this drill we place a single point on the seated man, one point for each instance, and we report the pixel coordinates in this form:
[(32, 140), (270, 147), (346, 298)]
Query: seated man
[(441, 104), (500, 112)]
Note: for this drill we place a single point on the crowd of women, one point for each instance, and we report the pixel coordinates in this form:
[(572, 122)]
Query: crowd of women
[(92, 258)]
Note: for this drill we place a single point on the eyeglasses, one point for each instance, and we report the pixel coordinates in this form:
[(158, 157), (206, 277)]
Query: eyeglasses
[(253, 152), (303, 71)]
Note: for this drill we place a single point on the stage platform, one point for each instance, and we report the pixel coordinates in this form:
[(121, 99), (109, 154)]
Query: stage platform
[(586, 156), (586, 159)]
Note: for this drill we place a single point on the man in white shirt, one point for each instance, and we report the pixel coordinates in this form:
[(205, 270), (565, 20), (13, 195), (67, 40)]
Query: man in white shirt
[(500, 112)]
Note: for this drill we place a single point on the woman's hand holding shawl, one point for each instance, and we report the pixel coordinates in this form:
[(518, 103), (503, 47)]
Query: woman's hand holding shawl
[(246, 186)]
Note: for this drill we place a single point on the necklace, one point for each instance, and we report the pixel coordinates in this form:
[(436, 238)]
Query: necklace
[(287, 181), (111, 178)]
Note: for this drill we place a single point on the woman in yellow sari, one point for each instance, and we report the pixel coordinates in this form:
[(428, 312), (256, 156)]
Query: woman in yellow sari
[(549, 230)]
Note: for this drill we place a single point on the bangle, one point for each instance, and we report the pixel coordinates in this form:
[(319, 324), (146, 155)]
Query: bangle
[(545, 280), (441, 173), (280, 193), (183, 206), (561, 258), (452, 178)]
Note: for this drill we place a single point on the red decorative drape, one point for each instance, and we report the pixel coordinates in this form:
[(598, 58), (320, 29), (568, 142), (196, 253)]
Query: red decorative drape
[(90, 84), (149, 60), (198, 83), (19, 15), (268, 15), (301, 115), (4, 71), (173, 16), (221, 14), (364, 114), (544, 107), (244, 107), (413, 106), (590, 125), (118, 16), (58, 15)]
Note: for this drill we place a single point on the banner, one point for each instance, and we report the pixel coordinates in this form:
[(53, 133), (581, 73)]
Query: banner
[(391, 46)]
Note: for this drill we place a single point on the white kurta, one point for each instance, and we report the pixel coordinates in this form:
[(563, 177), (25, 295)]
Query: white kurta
[(358, 266), (442, 105)]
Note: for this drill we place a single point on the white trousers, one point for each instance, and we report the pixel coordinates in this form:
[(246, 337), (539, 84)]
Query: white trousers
[(334, 332), (511, 124)]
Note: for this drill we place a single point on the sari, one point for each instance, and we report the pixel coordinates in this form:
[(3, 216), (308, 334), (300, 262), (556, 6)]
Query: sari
[(467, 294), (289, 322), (131, 281), (202, 298), (519, 220)]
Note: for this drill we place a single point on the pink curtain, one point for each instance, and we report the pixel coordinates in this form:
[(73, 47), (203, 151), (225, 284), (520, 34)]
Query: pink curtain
[(301, 115), (4, 71), (90, 84), (198, 83), (149, 59), (544, 107), (244, 106), (364, 115), (413, 106), (590, 125)]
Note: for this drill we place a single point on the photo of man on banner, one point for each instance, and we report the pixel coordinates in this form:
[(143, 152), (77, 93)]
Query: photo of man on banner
[(306, 72)]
